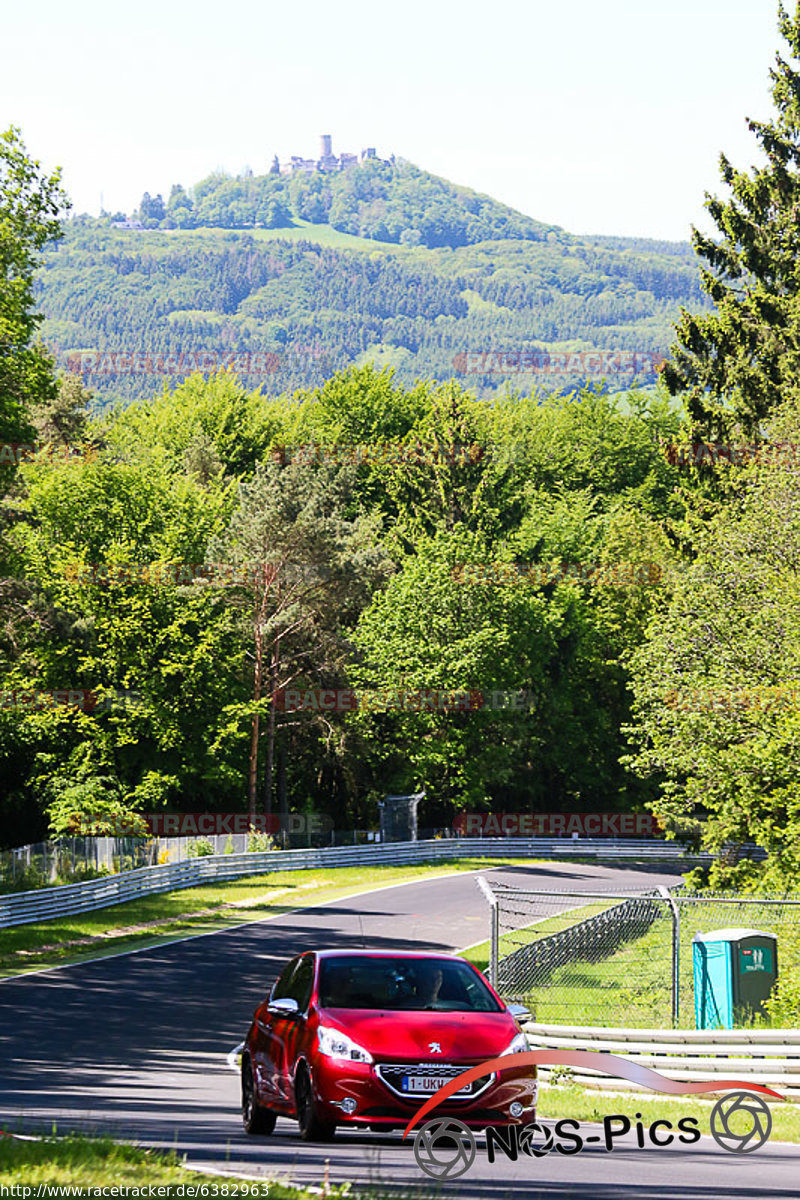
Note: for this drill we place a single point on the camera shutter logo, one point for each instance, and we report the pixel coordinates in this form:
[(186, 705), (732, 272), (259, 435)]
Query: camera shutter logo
[(444, 1148), (750, 1110), (535, 1149)]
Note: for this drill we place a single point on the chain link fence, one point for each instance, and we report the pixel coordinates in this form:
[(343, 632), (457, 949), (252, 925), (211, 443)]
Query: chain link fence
[(616, 958), (73, 859)]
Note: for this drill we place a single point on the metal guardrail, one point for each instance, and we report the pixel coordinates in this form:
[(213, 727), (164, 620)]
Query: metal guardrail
[(766, 1056), (21, 908)]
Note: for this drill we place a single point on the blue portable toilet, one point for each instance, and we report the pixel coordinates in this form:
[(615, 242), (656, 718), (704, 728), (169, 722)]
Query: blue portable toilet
[(734, 973)]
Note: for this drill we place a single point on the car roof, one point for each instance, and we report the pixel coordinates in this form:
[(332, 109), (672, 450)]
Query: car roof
[(377, 953)]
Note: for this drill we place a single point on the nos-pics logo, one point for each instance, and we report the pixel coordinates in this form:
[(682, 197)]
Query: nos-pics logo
[(445, 1148)]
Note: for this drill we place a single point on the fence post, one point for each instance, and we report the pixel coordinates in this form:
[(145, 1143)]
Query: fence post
[(494, 939), (676, 957)]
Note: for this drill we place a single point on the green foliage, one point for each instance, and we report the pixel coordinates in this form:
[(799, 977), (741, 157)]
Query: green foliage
[(207, 429), (114, 618), (61, 420), (340, 575), (545, 649), (783, 1005), (717, 681), (199, 848), (388, 202), (731, 365), (257, 840), (30, 204), (304, 562)]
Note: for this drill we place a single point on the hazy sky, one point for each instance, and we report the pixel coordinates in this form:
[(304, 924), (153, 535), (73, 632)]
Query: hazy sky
[(599, 117)]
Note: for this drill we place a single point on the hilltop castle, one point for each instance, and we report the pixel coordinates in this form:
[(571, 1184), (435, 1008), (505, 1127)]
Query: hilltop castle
[(327, 161)]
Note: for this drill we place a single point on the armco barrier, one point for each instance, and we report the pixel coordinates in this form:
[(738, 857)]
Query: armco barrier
[(24, 907), (767, 1056)]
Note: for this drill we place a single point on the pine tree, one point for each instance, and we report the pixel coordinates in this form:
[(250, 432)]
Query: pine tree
[(731, 365)]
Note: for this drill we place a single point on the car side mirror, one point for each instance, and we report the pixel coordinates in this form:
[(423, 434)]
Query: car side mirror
[(519, 1012), (284, 1008)]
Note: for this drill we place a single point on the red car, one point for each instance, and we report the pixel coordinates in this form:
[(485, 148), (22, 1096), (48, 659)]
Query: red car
[(364, 1037)]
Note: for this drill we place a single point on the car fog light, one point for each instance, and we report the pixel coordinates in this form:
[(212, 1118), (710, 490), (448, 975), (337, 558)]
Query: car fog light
[(349, 1106), (516, 1109)]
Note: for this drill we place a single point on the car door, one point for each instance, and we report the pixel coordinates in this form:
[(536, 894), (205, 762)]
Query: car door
[(291, 1033), (268, 1055)]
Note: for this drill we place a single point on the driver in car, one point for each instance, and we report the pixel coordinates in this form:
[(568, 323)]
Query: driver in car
[(429, 984)]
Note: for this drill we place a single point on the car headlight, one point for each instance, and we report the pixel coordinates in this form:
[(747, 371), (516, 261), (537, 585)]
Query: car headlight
[(519, 1045), (335, 1044)]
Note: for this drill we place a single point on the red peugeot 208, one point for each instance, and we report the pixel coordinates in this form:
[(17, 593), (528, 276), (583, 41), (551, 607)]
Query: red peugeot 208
[(363, 1037)]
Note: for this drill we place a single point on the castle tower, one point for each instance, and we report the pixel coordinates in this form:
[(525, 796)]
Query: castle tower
[(325, 146)]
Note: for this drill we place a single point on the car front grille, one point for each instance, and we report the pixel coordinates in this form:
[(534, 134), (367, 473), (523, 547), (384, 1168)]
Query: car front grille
[(392, 1075)]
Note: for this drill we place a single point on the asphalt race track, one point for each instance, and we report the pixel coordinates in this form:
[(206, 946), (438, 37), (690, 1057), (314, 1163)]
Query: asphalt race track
[(136, 1046)]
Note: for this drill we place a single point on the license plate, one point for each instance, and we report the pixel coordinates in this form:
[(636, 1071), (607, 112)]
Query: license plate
[(427, 1083)]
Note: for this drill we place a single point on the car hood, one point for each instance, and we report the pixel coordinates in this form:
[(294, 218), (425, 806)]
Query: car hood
[(389, 1035)]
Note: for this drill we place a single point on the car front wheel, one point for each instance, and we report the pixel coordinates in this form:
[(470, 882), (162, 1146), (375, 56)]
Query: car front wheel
[(313, 1127), (254, 1118)]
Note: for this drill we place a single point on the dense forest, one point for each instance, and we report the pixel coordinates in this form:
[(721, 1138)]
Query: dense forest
[(363, 593), (290, 305)]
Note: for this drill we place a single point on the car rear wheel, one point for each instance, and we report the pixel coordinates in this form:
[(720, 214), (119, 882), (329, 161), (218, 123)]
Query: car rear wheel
[(254, 1118), (313, 1127)]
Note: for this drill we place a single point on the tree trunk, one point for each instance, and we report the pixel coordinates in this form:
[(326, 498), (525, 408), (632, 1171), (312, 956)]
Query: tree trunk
[(253, 781), (283, 800), (273, 671)]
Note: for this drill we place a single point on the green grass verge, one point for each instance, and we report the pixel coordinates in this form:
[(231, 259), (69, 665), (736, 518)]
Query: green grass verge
[(100, 1162), (631, 987), (587, 1105), (154, 920)]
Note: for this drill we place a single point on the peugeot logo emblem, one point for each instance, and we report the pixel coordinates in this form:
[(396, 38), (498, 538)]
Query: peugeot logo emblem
[(435, 1047)]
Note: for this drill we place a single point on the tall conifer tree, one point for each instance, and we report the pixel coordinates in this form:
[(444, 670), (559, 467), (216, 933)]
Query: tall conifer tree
[(732, 365)]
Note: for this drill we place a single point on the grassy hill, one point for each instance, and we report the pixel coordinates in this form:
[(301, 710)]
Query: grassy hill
[(380, 263)]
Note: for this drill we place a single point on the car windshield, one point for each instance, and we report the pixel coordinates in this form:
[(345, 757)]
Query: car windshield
[(403, 984)]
